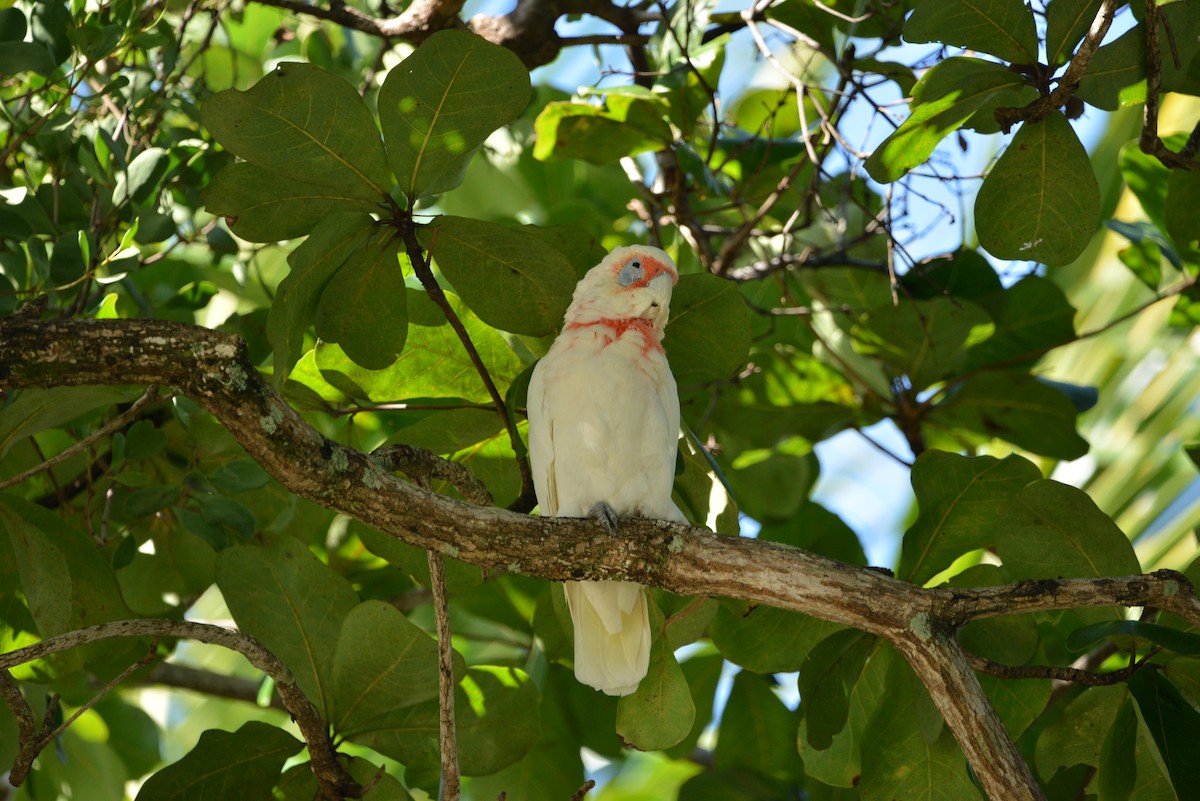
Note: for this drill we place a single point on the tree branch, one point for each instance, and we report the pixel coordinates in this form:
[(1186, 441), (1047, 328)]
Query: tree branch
[(335, 782), (214, 370), (1041, 108)]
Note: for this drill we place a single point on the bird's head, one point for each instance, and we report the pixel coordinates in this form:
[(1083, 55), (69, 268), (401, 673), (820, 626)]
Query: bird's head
[(631, 282)]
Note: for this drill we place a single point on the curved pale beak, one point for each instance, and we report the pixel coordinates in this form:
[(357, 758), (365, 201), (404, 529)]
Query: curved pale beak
[(659, 306)]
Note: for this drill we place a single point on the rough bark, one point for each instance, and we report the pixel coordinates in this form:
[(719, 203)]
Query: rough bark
[(213, 369)]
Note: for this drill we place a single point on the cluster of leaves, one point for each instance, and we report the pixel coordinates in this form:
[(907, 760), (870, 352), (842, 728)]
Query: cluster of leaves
[(448, 171)]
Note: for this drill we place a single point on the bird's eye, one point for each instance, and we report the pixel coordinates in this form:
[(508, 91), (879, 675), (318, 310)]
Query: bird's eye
[(631, 273)]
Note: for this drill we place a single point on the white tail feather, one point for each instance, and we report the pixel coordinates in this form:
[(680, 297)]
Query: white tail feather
[(612, 634)]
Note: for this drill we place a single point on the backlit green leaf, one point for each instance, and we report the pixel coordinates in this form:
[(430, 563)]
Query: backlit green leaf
[(944, 98), (1003, 28), (441, 102), (1173, 723), (1040, 201), (963, 502)]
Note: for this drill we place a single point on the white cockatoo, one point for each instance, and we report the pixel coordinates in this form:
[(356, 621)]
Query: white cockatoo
[(603, 434)]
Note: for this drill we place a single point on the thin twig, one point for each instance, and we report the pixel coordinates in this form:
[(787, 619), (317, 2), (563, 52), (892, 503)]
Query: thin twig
[(420, 264), (449, 744), (582, 791), (1149, 141), (423, 466), (120, 421), (1065, 674)]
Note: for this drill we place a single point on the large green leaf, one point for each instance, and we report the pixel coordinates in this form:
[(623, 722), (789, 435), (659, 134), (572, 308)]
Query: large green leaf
[(1116, 77), (1004, 28), (1118, 768), (660, 713), (303, 124), (1056, 530), (626, 125), (758, 732), (708, 335), (944, 98), (513, 279), (293, 604), (1067, 21), (1018, 408), (1076, 736), (434, 362), (963, 503), (497, 723), (925, 340), (261, 206), (826, 679), (32, 410), (900, 761), (1183, 208), (1173, 723), (382, 663), (1040, 201), (1031, 316), (765, 639), (439, 105), (313, 264), (364, 306), (249, 759)]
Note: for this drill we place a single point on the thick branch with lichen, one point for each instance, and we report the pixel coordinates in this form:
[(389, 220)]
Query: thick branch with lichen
[(214, 370)]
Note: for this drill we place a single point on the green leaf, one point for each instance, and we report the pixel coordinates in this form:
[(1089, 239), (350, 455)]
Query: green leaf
[(826, 679), (901, 763), (1003, 28), (513, 279), (239, 476), (660, 713), (1116, 78), (1181, 642), (382, 663), (434, 362), (364, 306), (441, 102), (758, 732), (497, 723), (1118, 767), (625, 125), (963, 502), (1017, 408), (295, 605), (1031, 316), (925, 340), (142, 177), (249, 759), (303, 124), (260, 206), (1076, 737), (1067, 21), (765, 639), (313, 264), (1173, 723), (1008, 639), (1144, 260), (32, 410), (1040, 201), (945, 97), (18, 57), (708, 336), (1056, 530), (1183, 208)]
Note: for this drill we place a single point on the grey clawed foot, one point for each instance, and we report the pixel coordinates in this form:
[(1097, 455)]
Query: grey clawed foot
[(606, 515)]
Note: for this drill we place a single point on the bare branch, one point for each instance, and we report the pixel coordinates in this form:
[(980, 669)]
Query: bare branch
[(423, 466)]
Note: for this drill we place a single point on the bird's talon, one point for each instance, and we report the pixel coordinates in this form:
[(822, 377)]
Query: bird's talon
[(606, 516)]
